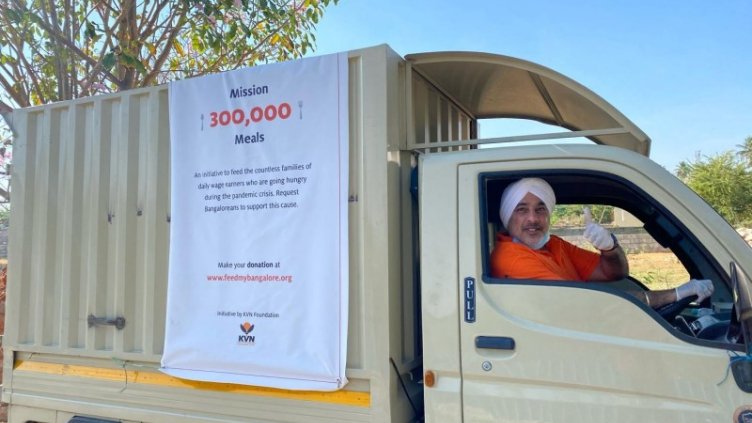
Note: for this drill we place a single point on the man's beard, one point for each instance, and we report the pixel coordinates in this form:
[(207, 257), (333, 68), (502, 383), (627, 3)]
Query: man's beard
[(538, 245)]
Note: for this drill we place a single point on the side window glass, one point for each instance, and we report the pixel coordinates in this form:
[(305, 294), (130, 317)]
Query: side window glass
[(650, 263), (662, 253)]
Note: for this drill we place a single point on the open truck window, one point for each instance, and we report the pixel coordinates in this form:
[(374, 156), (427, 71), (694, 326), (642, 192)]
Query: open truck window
[(662, 252)]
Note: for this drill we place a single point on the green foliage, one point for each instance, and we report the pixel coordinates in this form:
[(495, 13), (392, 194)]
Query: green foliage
[(745, 150), (572, 215), (724, 181), (51, 51), (4, 216), (656, 279)]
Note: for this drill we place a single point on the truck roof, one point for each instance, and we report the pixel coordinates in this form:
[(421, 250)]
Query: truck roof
[(496, 86)]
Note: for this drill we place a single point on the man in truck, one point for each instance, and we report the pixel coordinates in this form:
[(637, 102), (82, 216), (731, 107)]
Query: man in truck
[(529, 251)]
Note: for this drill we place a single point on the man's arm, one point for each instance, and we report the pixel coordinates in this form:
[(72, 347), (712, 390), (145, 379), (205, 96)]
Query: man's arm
[(702, 288), (613, 265)]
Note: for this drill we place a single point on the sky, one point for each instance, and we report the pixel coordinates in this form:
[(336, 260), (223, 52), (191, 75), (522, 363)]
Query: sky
[(680, 70)]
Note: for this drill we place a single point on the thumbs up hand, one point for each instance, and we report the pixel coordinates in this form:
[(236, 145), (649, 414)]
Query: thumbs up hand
[(597, 234)]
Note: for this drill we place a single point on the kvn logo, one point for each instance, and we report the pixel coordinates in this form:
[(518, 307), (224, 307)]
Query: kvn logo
[(247, 338)]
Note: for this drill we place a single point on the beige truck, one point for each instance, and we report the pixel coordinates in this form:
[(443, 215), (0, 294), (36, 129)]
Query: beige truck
[(432, 335)]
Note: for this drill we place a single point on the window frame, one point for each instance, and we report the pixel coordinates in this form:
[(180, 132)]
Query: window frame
[(608, 189)]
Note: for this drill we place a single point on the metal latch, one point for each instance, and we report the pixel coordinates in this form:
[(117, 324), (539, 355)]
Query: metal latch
[(118, 322)]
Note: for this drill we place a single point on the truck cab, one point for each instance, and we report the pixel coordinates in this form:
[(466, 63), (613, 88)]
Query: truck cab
[(532, 350)]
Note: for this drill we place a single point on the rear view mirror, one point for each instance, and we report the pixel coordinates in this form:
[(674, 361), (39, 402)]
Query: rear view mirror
[(742, 304), (741, 367)]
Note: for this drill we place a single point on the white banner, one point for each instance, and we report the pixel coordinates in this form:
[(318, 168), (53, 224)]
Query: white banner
[(257, 290)]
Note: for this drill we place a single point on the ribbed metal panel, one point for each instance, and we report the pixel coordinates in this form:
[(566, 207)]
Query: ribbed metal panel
[(89, 235), (90, 225), (437, 117)]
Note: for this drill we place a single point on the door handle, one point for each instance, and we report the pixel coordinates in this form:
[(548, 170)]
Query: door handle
[(494, 342), (118, 322)]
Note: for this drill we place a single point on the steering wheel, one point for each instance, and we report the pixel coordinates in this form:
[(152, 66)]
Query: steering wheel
[(671, 310)]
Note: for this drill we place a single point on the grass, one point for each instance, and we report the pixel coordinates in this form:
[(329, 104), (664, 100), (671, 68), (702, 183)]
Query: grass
[(657, 270)]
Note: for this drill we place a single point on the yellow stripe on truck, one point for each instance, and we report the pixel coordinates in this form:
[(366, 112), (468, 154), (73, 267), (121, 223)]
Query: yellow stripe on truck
[(353, 398)]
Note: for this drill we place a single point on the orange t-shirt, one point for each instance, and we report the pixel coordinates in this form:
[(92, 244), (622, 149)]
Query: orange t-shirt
[(557, 260)]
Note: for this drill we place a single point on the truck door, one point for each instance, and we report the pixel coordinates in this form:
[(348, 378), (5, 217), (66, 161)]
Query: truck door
[(571, 352)]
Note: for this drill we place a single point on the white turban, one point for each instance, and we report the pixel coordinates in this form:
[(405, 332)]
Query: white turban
[(514, 193)]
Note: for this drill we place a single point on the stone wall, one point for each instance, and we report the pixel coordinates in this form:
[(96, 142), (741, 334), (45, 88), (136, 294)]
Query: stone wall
[(632, 240)]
